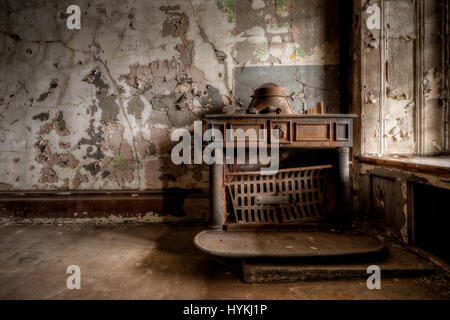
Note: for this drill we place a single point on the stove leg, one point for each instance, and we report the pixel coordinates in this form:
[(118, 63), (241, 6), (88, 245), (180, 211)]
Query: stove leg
[(343, 190), (217, 196)]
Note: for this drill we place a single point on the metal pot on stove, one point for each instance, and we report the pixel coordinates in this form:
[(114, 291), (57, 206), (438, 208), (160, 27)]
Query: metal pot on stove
[(269, 99)]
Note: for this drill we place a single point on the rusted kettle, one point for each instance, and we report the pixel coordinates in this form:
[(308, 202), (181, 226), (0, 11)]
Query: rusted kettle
[(269, 98)]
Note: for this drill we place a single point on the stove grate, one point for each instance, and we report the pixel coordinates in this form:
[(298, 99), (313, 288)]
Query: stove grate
[(289, 196)]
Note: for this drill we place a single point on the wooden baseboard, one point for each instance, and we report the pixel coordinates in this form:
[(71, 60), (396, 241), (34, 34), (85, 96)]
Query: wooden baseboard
[(95, 204)]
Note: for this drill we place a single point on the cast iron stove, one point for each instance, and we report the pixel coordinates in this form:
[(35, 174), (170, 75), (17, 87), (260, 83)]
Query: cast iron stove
[(290, 213)]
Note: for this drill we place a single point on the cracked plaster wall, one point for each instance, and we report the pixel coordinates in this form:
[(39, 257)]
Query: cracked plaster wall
[(93, 109)]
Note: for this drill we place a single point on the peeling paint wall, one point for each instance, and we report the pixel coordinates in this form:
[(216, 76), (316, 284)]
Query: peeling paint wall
[(297, 48), (399, 85), (93, 109)]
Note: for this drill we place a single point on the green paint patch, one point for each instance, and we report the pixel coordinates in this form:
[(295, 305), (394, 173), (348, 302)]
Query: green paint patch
[(228, 7), (300, 53), (260, 50), (171, 16), (281, 9), (261, 53), (120, 161)]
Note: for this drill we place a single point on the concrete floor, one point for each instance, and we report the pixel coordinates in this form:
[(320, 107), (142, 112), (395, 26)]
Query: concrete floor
[(154, 261)]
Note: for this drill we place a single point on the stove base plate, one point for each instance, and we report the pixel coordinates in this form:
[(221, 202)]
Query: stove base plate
[(287, 244)]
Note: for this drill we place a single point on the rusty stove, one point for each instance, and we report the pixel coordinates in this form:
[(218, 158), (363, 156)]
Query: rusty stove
[(314, 172)]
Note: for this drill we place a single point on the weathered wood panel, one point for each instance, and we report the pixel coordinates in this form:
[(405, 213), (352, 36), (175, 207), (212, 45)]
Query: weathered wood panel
[(432, 77), (371, 79), (400, 76), (403, 66)]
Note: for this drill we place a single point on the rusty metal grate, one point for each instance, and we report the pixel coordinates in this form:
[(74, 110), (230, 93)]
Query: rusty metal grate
[(289, 196)]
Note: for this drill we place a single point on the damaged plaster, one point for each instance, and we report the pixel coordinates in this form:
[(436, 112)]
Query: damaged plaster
[(93, 109)]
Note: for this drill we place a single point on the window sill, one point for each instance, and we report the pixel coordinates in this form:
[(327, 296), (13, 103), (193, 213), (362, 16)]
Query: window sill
[(438, 166)]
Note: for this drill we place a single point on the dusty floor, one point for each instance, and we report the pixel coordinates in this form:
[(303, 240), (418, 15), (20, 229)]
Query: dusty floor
[(154, 261)]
